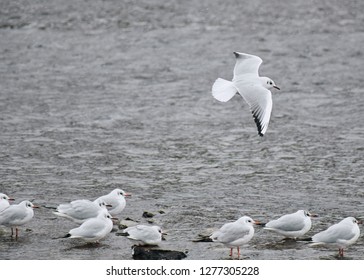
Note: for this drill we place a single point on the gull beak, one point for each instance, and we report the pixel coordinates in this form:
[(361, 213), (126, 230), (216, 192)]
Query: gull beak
[(11, 199), (108, 205), (313, 215), (35, 206), (360, 222), (276, 87), (257, 223), (163, 235), (114, 220), (127, 194)]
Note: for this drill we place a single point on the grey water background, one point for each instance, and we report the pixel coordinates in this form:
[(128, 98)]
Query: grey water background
[(102, 94)]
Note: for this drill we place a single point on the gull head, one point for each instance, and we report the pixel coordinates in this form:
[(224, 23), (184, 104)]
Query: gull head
[(248, 220), (269, 83), (355, 221), (308, 214)]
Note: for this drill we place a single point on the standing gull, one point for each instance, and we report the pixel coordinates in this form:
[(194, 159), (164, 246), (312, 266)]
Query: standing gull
[(94, 229), (254, 89), (292, 225), (235, 234), (116, 200), (17, 215), (341, 235)]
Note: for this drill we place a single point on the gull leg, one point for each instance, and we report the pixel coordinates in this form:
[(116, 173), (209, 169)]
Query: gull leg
[(341, 252), (16, 233), (231, 252), (238, 252)]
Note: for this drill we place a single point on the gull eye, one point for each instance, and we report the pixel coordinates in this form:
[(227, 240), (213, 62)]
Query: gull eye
[(270, 83)]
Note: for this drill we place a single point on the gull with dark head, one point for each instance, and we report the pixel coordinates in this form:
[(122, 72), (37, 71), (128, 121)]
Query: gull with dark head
[(254, 89)]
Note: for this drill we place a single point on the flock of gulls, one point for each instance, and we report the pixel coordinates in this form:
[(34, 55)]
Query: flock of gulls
[(95, 218), (291, 226)]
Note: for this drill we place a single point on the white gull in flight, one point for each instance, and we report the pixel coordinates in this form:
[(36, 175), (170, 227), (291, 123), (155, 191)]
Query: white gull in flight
[(254, 89)]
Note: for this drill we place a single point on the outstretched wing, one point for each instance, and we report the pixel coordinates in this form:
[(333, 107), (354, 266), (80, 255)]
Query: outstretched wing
[(246, 64), (260, 102)]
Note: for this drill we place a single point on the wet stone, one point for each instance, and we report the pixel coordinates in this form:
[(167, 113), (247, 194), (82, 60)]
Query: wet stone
[(147, 214), (152, 253)]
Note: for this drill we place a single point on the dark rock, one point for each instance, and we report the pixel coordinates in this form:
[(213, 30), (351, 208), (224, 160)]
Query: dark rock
[(147, 214), (153, 253)]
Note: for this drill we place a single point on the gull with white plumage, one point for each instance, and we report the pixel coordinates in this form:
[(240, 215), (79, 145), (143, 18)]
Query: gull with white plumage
[(291, 225), (235, 234), (144, 234), (254, 89), (17, 215), (81, 209), (4, 201), (340, 235)]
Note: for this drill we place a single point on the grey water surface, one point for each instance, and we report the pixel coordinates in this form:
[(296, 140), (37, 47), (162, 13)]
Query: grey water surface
[(96, 95)]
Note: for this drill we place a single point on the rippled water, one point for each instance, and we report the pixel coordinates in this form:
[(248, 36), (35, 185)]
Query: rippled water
[(105, 94)]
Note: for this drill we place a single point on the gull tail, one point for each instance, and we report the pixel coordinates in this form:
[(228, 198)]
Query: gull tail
[(223, 90)]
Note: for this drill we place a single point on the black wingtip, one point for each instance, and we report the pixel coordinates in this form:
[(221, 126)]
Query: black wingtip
[(68, 235), (258, 124), (236, 54), (122, 234), (307, 239), (203, 239)]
